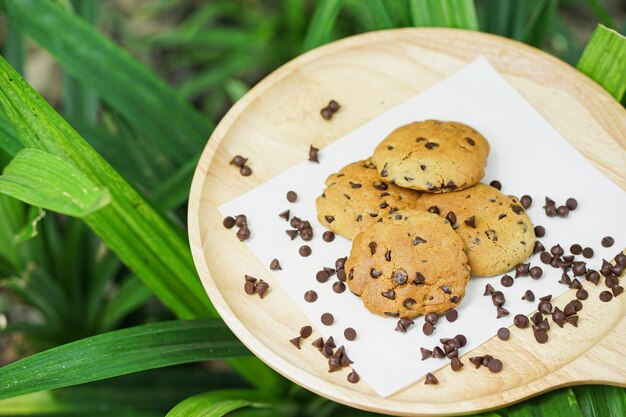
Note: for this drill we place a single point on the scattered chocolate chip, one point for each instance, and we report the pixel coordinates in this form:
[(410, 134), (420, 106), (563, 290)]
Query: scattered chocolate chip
[(535, 272), (353, 377), (571, 203), (341, 275), (471, 222), (606, 296), (617, 290), (451, 217), (228, 222), (431, 318), (504, 333), (497, 298), (261, 288), (322, 276), (538, 247), (550, 211), (496, 184), (310, 296), (430, 379), (452, 315), (275, 265), (238, 161), (526, 201), (520, 321), (313, 153), (488, 290), (540, 231), (328, 236), (292, 233), (306, 331), (426, 354), (296, 341), (521, 270), (330, 342), (249, 287), (545, 307), (507, 281), (304, 250), (592, 276), (620, 259), (284, 215), (501, 312), (403, 325), (557, 250), (541, 336), (245, 171), (477, 361), (545, 257), (562, 211), (576, 249), (243, 233), (579, 268), (495, 366), (428, 329), (528, 296), (318, 343), (588, 252), (456, 364), (349, 333), (607, 241), (292, 196), (327, 319), (339, 287)]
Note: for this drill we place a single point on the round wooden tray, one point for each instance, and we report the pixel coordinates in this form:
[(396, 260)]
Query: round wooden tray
[(368, 74)]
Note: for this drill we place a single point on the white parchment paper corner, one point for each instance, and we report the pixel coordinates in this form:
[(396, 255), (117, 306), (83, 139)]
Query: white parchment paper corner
[(528, 156)]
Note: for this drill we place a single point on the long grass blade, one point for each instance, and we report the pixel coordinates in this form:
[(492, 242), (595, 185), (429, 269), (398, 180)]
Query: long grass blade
[(8, 141), (380, 14), (601, 401), (131, 295), (151, 106), (604, 61), (603, 14), (539, 26), (561, 403), (119, 353), (219, 403), (444, 13), (14, 51), (322, 22)]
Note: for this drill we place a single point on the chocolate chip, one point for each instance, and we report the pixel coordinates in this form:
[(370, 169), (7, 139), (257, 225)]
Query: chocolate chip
[(245, 171), (538, 247), (327, 319), (292, 196), (504, 333), (526, 201), (607, 241), (391, 294), (238, 161), (576, 249), (477, 361), (313, 151), (322, 276), (243, 233), (461, 339), (497, 298), (507, 281), (535, 272), (438, 353), (241, 220), (620, 259), (430, 379), (333, 106), (573, 320), (353, 377), (418, 241), (452, 315), (471, 222), (431, 318), (341, 275), (579, 268), (249, 287), (433, 209), (540, 231), (582, 294), (292, 233), (571, 203), (456, 364), (606, 296), (403, 325), (318, 343), (419, 279), (428, 329), (451, 217), (588, 253), (541, 336), (275, 265), (349, 333), (528, 296), (545, 257), (501, 312), (558, 316), (520, 321), (284, 215), (306, 331), (296, 341), (522, 270), (339, 287), (488, 290), (304, 250), (400, 277), (592, 276), (431, 145), (310, 296), (374, 273), (330, 342), (261, 288), (426, 354), (355, 185), (228, 222), (495, 366), (388, 256), (545, 307), (617, 290), (339, 263), (537, 318), (328, 236), (496, 184)]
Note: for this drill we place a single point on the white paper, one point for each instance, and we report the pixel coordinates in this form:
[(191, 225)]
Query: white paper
[(527, 156)]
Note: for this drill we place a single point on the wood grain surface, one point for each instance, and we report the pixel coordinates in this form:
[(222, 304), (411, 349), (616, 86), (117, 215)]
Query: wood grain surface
[(368, 74)]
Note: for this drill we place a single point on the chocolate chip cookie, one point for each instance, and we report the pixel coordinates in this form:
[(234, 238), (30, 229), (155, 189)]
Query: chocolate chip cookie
[(410, 263), (432, 156), (356, 197), (495, 227)]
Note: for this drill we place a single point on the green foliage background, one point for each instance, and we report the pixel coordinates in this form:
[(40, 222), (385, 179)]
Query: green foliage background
[(143, 85)]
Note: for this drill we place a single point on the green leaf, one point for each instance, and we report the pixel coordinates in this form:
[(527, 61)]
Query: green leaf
[(131, 295), (44, 180), (380, 14), (174, 190), (148, 244), (601, 400), (14, 51), (602, 13), (8, 141), (447, 13), (218, 403), (150, 106), (29, 231), (118, 353), (322, 22), (561, 403), (604, 61), (539, 26)]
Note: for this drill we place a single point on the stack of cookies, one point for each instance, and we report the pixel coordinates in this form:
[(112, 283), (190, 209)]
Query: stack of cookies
[(420, 220)]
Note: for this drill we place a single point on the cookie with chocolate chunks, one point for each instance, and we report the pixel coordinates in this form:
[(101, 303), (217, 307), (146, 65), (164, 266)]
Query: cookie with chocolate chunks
[(411, 263), (355, 198), (501, 235), (432, 156)]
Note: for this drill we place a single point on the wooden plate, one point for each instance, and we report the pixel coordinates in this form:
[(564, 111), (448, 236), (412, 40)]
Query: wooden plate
[(368, 74)]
